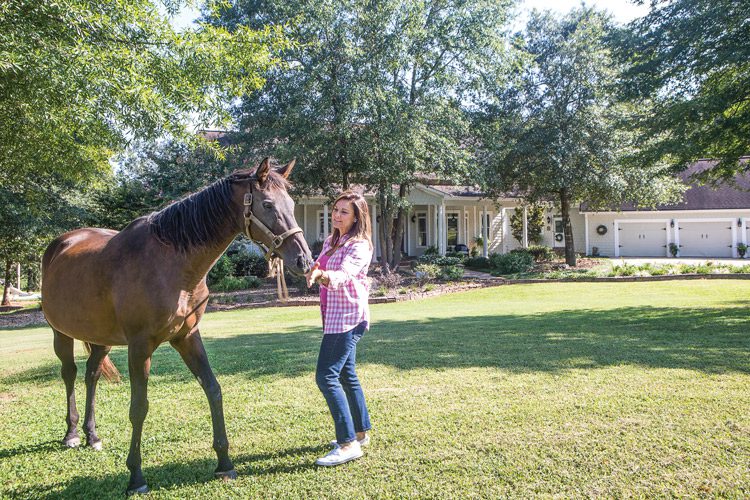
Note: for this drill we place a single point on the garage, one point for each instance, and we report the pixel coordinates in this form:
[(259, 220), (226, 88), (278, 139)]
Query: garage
[(701, 238), (642, 238)]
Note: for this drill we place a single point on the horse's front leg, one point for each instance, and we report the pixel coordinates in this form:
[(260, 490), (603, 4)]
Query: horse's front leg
[(191, 349), (139, 363)]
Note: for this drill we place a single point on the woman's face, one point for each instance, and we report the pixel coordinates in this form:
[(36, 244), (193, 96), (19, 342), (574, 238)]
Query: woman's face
[(343, 216)]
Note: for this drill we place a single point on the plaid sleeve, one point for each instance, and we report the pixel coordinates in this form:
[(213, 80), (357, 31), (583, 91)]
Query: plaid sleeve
[(358, 255)]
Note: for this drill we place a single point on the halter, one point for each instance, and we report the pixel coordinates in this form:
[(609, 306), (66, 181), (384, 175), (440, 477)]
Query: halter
[(275, 262)]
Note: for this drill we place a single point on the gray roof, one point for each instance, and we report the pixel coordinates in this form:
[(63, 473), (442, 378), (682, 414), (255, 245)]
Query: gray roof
[(702, 197)]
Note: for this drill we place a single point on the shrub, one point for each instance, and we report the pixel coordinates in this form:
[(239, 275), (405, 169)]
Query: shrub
[(222, 269), (477, 262), (316, 248), (388, 281), (426, 272), (541, 253), (232, 283), (511, 263), (452, 273), (249, 264)]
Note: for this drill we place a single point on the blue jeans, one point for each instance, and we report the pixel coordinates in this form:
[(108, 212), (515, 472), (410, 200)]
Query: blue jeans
[(337, 380)]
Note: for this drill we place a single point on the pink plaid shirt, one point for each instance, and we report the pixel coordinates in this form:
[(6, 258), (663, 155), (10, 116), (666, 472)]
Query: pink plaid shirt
[(349, 289)]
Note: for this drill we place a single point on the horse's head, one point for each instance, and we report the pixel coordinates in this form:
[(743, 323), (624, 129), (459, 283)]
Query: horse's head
[(269, 214)]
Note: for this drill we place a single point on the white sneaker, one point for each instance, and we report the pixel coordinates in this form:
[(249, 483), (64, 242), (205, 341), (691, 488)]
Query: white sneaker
[(362, 442), (339, 456)]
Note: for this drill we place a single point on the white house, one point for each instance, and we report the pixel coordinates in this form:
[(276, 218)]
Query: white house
[(708, 223)]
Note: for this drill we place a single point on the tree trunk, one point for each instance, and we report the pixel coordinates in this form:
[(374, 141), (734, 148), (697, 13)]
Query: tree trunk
[(6, 285), (398, 230), (385, 228), (570, 254)]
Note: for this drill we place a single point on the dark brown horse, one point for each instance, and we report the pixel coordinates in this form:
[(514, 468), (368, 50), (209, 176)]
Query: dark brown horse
[(146, 285)]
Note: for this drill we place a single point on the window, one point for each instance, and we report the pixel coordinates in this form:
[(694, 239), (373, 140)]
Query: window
[(422, 229), (321, 227)]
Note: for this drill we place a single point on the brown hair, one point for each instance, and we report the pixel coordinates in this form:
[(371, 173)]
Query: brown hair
[(361, 227)]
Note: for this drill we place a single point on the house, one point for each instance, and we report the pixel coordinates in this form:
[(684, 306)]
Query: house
[(707, 223)]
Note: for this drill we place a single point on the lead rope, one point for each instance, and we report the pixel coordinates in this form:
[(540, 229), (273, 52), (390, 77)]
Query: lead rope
[(276, 268)]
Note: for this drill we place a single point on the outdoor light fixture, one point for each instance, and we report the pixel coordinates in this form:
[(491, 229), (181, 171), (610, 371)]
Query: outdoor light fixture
[(414, 218), (739, 221), (671, 223), (549, 220)]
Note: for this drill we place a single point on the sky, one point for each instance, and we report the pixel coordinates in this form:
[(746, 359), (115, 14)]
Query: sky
[(623, 11)]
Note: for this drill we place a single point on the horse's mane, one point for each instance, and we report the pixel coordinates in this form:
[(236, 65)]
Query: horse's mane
[(197, 219)]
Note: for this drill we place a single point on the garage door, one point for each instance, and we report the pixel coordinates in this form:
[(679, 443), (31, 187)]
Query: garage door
[(705, 239), (643, 239)]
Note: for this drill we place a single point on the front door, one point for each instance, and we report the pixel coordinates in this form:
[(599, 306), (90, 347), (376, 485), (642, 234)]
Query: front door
[(452, 230)]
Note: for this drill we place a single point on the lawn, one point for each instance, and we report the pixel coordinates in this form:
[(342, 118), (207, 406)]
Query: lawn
[(558, 389)]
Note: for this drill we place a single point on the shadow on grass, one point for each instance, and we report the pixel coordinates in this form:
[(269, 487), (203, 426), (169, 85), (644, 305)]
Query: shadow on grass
[(169, 476), (708, 340)]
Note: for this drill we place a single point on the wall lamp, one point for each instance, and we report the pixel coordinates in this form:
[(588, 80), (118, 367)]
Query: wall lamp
[(414, 218), (739, 221), (671, 223)]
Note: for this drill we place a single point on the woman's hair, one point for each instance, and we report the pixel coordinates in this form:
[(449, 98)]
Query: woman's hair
[(361, 227)]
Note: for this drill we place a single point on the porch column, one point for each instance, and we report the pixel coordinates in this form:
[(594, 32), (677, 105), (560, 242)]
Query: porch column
[(503, 230), (525, 226), (441, 229), (743, 231), (326, 229), (375, 235), (304, 221), (586, 232), (485, 232)]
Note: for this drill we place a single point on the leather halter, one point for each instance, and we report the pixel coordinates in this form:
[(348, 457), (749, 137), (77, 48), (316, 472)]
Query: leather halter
[(276, 240), (275, 262)]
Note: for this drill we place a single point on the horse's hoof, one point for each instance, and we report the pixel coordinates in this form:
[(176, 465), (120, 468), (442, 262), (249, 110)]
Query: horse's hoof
[(73, 442), (96, 445), (229, 475), (141, 490)]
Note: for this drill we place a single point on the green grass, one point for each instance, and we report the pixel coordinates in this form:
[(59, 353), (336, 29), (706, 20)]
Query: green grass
[(559, 389)]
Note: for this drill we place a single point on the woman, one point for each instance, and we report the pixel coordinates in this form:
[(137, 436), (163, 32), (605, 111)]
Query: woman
[(341, 270)]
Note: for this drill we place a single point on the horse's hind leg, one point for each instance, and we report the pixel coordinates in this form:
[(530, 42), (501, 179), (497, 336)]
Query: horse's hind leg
[(64, 350), (191, 349), (93, 372)]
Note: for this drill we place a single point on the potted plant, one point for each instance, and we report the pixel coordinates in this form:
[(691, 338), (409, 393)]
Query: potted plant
[(674, 249), (741, 250)]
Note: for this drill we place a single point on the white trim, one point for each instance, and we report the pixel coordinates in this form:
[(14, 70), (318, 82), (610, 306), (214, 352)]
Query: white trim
[(326, 229), (426, 229), (458, 228), (647, 212), (525, 239)]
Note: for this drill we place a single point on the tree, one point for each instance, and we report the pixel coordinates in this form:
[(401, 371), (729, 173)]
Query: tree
[(81, 80), (689, 62), (372, 94), (534, 223), (554, 132)]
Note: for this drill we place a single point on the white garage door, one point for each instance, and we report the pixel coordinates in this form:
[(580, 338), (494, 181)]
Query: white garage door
[(643, 239), (705, 239)]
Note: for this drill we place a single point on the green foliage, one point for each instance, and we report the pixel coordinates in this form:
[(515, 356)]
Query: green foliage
[(512, 262), (245, 262), (452, 273), (426, 272), (689, 62), (674, 249), (534, 223), (741, 250), (375, 96), (477, 263), (233, 283), (222, 269), (555, 132), (431, 250), (539, 253)]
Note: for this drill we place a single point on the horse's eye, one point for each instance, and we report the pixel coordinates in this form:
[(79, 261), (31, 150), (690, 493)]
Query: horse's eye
[(267, 205)]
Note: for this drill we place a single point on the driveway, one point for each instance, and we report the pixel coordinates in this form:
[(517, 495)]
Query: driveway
[(636, 261)]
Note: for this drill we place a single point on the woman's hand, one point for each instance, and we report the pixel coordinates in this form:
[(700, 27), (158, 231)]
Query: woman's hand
[(314, 275)]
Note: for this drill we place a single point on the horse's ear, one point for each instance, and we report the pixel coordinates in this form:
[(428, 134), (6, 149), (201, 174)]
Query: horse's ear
[(287, 169), (263, 170)]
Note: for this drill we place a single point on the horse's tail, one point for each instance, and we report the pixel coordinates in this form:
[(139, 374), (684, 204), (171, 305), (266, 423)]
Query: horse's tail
[(109, 370)]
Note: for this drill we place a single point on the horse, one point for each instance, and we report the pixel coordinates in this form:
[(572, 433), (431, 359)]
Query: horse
[(146, 285)]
